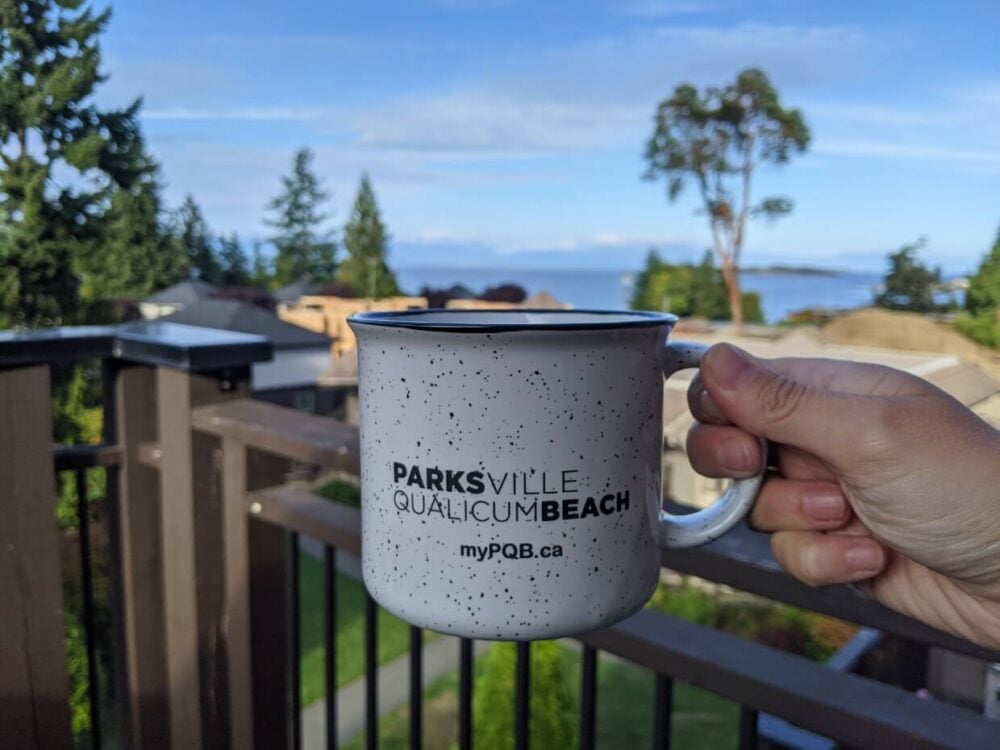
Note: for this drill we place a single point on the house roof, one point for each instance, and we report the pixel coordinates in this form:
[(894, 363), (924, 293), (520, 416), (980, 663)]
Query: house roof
[(233, 315), (183, 293), (292, 292)]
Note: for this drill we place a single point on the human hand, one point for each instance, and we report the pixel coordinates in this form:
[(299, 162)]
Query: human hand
[(881, 477)]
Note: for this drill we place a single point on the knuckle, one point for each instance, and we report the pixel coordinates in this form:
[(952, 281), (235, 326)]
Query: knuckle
[(780, 398)]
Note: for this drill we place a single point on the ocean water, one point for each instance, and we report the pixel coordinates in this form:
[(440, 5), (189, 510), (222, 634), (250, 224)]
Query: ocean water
[(780, 294)]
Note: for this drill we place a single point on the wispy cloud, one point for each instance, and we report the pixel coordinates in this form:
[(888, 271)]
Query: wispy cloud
[(488, 122), (910, 151), (249, 114), (671, 8), (471, 4), (879, 115), (600, 92)]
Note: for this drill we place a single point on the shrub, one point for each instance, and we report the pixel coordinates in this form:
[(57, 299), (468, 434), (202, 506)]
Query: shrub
[(983, 328), (550, 703), (342, 492)]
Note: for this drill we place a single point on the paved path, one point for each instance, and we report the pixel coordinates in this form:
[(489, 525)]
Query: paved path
[(440, 658)]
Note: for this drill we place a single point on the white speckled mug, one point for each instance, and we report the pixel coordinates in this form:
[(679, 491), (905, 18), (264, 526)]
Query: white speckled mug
[(511, 464)]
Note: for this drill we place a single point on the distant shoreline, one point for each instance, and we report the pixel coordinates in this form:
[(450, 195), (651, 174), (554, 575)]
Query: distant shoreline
[(791, 271), (775, 270)]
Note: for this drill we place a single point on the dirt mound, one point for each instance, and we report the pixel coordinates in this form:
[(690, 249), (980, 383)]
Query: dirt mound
[(909, 332)]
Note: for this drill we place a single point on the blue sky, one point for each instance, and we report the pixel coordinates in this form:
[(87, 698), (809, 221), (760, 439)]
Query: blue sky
[(510, 134)]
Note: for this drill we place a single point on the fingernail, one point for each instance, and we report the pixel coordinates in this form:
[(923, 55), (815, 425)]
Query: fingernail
[(865, 556), (730, 367), (735, 457), (711, 409), (824, 504)]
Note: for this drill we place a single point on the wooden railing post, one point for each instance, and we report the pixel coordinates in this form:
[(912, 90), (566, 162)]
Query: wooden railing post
[(141, 558), (268, 575), (34, 703), (193, 579)]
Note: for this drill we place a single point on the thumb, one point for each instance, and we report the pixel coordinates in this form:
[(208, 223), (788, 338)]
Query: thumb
[(776, 404)]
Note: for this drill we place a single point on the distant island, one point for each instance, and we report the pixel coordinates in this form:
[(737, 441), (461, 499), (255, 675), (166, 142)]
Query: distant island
[(789, 271)]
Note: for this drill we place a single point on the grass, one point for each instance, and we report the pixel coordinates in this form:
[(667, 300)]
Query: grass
[(393, 634), (700, 720), (341, 492)]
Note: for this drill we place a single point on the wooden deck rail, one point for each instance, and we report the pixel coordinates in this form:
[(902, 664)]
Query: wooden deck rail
[(203, 532), (741, 559), (843, 706)]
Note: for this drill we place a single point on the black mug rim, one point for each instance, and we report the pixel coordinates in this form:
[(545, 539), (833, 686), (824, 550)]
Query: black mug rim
[(411, 319)]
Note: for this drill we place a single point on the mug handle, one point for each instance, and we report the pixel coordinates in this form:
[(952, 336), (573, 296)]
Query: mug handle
[(712, 522)]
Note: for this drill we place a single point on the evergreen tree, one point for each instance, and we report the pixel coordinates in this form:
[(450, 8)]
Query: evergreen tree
[(981, 319), (196, 239), (305, 249), (235, 270), (909, 285), (984, 286), (366, 241), (260, 272), (61, 157), (138, 253)]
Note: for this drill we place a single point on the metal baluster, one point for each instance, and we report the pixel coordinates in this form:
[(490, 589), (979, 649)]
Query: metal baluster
[(588, 699), (416, 688), (522, 698), (465, 694), (662, 712), (87, 580), (371, 673), (295, 640), (330, 641), (748, 728)]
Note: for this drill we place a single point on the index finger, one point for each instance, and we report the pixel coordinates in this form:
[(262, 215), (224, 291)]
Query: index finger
[(702, 407)]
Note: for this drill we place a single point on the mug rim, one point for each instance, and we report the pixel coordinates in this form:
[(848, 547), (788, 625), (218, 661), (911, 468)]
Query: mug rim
[(411, 319)]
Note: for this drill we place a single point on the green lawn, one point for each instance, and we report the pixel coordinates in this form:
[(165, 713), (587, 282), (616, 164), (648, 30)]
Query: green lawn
[(624, 712), (393, 634)]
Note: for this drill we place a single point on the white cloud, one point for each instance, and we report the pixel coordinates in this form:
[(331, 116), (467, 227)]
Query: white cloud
[(471, 4), (669, 8), (491, 123), (878, 115), (910, 151), (249, 114), (596, 93)]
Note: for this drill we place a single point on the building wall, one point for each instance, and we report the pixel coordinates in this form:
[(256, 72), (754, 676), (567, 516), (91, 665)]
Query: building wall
[(152, 311), (329, 315), (290, 368)]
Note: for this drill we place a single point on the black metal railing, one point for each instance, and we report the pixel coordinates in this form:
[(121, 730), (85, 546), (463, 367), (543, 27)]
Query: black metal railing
[(782, 697), (214, 660)]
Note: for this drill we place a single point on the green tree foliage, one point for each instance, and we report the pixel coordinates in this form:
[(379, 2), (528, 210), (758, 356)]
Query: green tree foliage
[(235, 271), (61, 157), (366, 241), (138, 253), (981, 319), (984, 286), (198, 243), (909, 285), (716, 139), (550, 703), (688, 290), (305, 249), (260, 268)]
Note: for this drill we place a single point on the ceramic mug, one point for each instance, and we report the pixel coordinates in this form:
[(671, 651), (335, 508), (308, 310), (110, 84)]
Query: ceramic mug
[(511, 467)]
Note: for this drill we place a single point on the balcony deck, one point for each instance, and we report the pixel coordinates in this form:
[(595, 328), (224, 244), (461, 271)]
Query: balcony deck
[(203, 530)]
